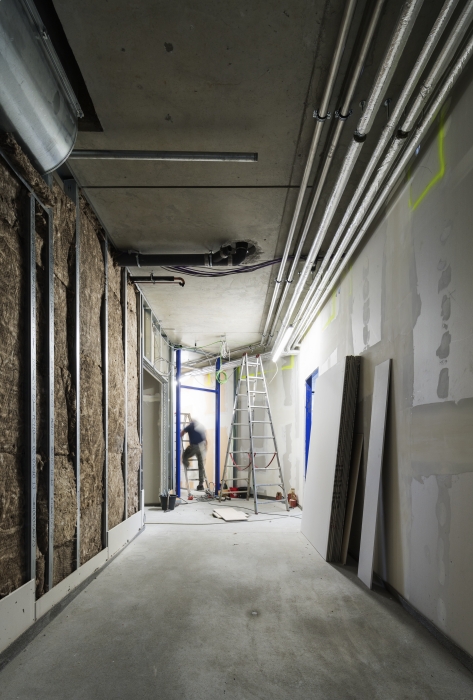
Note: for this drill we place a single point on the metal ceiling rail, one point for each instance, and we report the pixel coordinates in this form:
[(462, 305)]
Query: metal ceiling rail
[(402, 164), (183, 156), (321, 114), (343, 114), (402, 31), (414, 77), (444, 58)]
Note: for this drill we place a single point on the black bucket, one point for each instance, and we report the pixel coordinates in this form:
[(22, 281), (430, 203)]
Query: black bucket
[(168, 502)]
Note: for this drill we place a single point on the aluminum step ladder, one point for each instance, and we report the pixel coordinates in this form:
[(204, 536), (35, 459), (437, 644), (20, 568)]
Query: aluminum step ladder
[(248, 432), (185, 420)]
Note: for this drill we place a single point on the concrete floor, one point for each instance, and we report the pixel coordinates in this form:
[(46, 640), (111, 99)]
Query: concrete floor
[(173, 617)]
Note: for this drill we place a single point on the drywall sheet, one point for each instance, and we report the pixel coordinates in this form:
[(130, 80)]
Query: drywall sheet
[(373, 471), (229, 514), (122, 533), (17, 613), (367, 281), (321, 463), (354, 471)]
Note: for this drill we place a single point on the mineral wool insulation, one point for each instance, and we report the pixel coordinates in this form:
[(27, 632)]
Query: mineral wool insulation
[(13, 202)]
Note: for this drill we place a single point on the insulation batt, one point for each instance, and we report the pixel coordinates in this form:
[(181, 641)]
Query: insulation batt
[(92, 281), (116, 398), (12, 500), (134, 449), (13, 289)]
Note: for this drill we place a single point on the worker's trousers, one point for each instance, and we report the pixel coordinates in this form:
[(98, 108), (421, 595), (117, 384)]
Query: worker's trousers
[(194, 451)]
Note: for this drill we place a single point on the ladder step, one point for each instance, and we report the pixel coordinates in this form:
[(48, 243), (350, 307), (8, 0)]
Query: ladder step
[(259, 485), (234, 478), (245, 452), (268, 422), (266, 469), (255, 437)]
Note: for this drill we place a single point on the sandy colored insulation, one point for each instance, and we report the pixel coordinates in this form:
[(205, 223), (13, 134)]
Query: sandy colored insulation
[(23, 166), (116, 491), (12, 543), (92, 281), (12, 502), (134, 448), (116, 399), (13, 202)]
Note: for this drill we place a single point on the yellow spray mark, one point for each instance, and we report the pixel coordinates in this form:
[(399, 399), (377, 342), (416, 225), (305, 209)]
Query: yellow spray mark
[(333, 310), (291, 363), (440, 173)]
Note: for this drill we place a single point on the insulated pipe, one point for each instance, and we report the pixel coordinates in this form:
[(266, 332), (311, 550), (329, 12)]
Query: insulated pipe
[(343, 114), (442, 61), (409, 87), (408, 153), (184, 156), (158, 280), (37, 103), (321, 115), (398, 41)]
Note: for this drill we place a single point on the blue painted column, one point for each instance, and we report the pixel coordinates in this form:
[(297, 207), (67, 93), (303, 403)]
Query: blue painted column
[(217, 428), (178, 421)]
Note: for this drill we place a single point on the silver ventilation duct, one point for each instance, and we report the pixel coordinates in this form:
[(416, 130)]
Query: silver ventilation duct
[(37, 103)]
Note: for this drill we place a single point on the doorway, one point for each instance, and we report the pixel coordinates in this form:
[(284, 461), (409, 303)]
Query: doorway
[(152, 439), (309, 401)]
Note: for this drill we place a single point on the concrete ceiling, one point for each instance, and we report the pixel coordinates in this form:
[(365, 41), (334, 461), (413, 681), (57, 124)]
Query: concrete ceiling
[(212, 76)]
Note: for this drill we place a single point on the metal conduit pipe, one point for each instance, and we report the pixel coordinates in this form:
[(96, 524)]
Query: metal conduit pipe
[(441, 63), (321, 114), (343, 113), (425, 55), (393, 54), (37, 103), (406, 156), (180, 156)]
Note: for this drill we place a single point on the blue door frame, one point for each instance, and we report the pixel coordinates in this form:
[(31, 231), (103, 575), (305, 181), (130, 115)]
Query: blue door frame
[(309, 391)]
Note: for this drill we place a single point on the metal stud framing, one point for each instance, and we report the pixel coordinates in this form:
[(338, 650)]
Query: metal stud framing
[(141, 353), (125, 359), (72, 191), (49, 574), (30, 387), (105, 394)]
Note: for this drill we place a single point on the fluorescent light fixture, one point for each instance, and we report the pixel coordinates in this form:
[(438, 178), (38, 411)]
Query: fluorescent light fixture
[(282, 344)]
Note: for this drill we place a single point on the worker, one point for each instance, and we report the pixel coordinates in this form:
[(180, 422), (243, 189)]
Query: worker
[(197, 437)]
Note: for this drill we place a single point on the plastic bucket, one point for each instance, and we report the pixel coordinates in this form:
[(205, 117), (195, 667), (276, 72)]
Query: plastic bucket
[(168, 502)]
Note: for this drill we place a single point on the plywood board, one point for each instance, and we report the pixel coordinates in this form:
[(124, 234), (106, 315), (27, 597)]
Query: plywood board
[(373, 471), (321, 463), (354, 471)]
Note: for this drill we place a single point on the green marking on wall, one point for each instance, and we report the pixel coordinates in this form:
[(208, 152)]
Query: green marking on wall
[(333, 309), (440, 173)]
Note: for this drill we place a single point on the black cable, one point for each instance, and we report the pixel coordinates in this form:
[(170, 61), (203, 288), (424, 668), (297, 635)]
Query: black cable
[(205, 272)]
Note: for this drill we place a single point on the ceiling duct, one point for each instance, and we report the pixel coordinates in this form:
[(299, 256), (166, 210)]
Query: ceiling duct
[(37, 103), (234, 254)]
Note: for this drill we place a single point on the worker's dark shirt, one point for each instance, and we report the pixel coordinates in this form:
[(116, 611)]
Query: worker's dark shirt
[(195, 436)]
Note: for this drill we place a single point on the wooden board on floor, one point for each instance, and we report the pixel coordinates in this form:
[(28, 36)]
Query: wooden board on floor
[(373, 471), (354, 472)]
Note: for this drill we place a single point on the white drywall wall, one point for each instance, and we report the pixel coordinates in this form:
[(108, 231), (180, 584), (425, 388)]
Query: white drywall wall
[(407, 295)]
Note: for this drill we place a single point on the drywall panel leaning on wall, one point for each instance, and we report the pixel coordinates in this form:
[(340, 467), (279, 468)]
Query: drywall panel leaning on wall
[(328, 465), (321, 462), (373, 471)]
